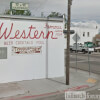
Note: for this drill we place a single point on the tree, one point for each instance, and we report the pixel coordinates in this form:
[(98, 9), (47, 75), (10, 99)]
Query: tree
[(18, 12), (55, 15)]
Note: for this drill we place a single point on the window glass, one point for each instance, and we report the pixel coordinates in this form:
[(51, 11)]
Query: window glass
[(88, 34), (83, 34)]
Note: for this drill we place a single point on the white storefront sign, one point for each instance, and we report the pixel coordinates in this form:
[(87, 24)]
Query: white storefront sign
[(19, 6), (26, 50)]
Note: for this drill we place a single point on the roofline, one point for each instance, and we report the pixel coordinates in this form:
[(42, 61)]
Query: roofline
[(32, 18)]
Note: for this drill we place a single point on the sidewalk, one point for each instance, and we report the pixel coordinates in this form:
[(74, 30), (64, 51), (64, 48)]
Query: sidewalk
[(79, 80)]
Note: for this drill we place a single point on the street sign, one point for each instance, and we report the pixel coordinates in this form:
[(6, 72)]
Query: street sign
[(76, 37), (18, 6), (88, 44), (66, 31)]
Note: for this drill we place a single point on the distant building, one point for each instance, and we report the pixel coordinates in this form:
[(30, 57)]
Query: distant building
[(86, 31)]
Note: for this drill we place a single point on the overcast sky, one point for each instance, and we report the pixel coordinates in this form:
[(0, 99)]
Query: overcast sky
[(81, 9), (87, 9)]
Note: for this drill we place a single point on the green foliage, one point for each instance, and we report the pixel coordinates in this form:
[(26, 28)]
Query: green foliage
[(18, 12), (7, 12), (55, 15)]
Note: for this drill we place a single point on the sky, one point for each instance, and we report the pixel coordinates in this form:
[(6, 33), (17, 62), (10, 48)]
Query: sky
[(81, 9), (86, 9)]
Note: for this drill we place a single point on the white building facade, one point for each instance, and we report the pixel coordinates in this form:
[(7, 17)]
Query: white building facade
[(30, 48), (86, 31)]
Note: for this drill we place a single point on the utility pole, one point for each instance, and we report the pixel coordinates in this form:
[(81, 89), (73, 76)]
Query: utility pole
[(68, 42)]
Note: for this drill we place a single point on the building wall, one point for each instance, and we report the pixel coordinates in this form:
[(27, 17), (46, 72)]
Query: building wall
[(30, 49), (83, 30)]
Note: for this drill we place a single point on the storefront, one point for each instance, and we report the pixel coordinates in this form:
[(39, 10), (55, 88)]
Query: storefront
[(30, 48)]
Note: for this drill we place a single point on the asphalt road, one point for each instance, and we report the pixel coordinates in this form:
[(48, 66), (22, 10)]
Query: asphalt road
[(86, 62)]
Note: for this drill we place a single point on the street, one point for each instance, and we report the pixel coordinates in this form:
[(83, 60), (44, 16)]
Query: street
[(83, 63)]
